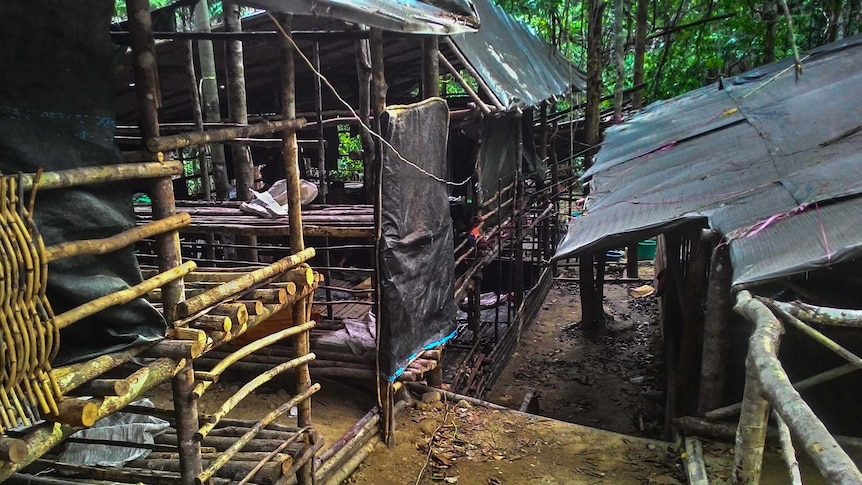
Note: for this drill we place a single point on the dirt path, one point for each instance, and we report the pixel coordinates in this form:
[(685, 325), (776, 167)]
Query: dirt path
[(608, 378)]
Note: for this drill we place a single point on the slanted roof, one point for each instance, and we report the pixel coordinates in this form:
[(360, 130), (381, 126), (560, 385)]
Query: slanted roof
[(771, 162), (441, 17), (520, 68)]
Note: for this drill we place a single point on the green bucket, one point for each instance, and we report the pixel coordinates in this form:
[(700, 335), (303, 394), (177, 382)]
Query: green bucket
[(646, 250)]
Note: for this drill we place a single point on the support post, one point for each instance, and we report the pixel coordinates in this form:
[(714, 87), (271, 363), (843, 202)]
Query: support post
[(715, 330), (290, 154), (517, 217), (209, 94), (430, 67), (168, 244), (363, 70)]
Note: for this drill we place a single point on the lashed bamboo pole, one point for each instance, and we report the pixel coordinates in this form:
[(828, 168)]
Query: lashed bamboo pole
[(839, 317), (788, 454), (45, 436), (123, 296), (464, 84), (214, 465), (817, 336), (247, 389), (72, 376), (242, 284), (802, 385), (271, 455), (214, 373), (827, 455), (73, 177), (109, 244), (218, 135)]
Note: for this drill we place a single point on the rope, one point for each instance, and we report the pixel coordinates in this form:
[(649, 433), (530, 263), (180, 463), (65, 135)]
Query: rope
[(356, 115)]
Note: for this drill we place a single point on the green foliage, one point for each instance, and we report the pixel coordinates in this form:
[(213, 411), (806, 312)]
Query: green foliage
[(348, 167), (689, 57)]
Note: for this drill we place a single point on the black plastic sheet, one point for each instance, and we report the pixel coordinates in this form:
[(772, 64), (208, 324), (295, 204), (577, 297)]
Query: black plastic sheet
[(56, 112), (417, 268), (770, 161)]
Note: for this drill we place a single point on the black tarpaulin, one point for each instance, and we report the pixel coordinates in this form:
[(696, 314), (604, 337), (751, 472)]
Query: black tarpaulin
[(772, 163), (417, 269), (56, 112)]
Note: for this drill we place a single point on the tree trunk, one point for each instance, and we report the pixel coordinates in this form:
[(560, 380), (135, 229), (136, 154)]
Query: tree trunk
[(641, 27), (619, 58), (209, 95), (770, 14), (237, 109), (594, 80)]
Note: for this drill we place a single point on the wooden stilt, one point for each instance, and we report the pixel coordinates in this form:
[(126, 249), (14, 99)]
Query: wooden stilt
[(715, 331), (186, 416)]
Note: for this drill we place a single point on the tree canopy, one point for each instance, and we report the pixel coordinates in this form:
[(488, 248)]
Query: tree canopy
[(691, 42)]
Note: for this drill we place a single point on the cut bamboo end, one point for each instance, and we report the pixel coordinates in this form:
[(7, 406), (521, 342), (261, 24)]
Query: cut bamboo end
[(302, 275), (290, 288), (105, 387), (175, 349), (76, 412), (12, 450), (219, 323), (254, 307), (237, 312), (269, 296), (185, 333)]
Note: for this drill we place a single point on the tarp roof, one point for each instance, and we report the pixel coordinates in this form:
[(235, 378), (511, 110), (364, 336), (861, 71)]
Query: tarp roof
[(520, 68), (441, 17), (771, 162)]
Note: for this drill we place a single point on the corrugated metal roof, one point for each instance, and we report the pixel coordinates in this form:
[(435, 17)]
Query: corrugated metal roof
[(771, 162), (441, 17), (520, 68)]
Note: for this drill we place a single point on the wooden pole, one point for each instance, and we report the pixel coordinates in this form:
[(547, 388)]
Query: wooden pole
[(470, 69), (186, 416), (209, 94), (716, 339), (197, 113), (430, 67), (180, 140), (363, 70), (464, 84), (290, 149), (113, 243), (830, 459), (237, 105), (788, 454), (73, 177), (518, 211)]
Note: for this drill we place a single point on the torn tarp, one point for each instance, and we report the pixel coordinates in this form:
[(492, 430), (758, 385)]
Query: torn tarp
[(772, 162), (417, 269)]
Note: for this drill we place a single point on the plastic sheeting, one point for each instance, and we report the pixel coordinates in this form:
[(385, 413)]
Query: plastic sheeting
[(56, 112), (417, 269), (440, 17), (124, 427), (772, 163), (520, 68)]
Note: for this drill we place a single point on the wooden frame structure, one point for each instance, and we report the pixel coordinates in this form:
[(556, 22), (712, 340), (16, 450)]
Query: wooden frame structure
[(230, 306)]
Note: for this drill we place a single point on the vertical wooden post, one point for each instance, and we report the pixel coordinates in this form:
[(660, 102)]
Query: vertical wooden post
[(238, 113), (499, 287), (209, 94), (290, 154), (167, 245), (715, 330), (378, 104), (430, 67), (751, 431), (321, 166), (474, 315), (690, 294), (632, 260), (197, 113), (586, 287), (363, 71), (237, 106), (518, 216)]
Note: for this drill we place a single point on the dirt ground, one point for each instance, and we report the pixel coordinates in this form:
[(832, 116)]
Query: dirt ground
[(609, 377), (447, 442)]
